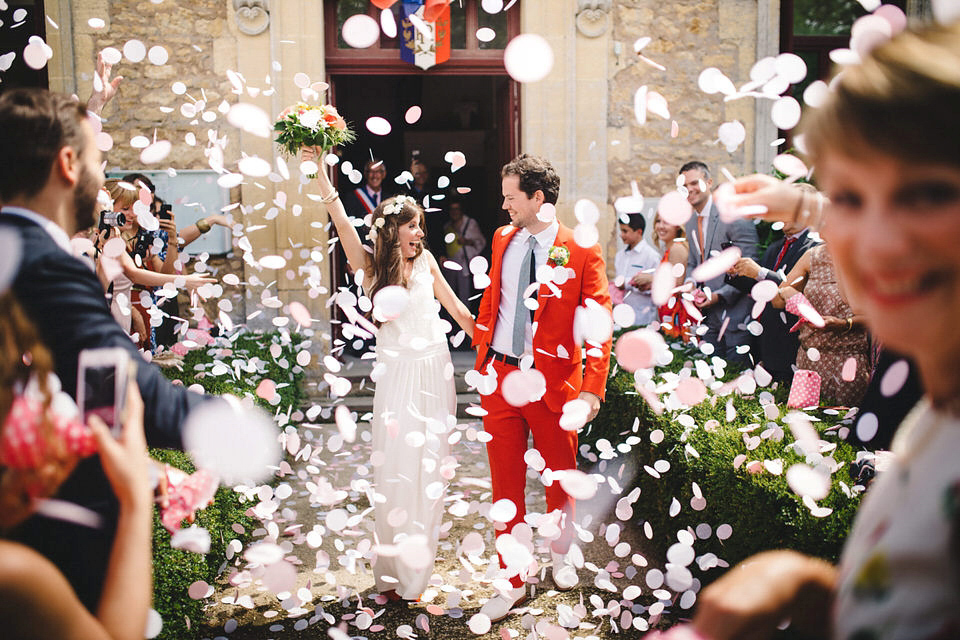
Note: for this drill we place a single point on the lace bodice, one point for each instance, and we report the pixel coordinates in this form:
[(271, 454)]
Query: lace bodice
[(419, 325)]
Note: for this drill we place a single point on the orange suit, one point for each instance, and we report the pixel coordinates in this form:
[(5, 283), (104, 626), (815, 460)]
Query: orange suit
[(559, 358)]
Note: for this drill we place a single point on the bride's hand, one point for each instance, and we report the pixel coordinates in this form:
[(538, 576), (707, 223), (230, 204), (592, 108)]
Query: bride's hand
[(308, 154)]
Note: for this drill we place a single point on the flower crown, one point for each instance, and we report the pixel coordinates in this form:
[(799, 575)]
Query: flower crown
[(397, 205), (388, 210)]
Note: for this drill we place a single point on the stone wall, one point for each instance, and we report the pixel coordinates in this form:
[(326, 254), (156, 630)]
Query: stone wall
[(200, 48), (687, 36)]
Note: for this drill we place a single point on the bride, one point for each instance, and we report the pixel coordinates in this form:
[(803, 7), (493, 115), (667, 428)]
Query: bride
[(414, 404)]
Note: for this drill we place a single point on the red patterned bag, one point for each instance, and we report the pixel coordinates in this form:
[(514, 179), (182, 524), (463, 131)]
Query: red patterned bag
[(805, 390)]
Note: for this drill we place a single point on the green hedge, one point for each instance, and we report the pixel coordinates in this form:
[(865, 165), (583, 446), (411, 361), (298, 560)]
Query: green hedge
[(761, 508), (174, 570)]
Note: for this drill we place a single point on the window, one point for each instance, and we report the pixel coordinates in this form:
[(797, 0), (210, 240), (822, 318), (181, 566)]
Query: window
[(813, 28)]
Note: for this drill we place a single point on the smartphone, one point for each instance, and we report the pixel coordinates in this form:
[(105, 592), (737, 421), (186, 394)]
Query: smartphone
[(165, 212), (102, 379)]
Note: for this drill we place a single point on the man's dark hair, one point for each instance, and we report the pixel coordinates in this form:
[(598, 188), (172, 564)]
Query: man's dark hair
[(34, 125), (134, 178), (636, 221), (535, 174), (696, 164)]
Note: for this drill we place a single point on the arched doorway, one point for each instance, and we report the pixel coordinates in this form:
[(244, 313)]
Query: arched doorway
[(468, 104)]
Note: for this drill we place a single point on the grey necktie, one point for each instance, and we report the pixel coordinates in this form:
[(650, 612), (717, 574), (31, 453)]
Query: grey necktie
[(520, 313)]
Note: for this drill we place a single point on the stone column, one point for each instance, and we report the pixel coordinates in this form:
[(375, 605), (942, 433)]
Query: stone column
[(273, 42), (768, 44), (564, 115)]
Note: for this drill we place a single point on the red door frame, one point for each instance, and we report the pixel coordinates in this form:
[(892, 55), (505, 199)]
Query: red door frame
[(472, 61)]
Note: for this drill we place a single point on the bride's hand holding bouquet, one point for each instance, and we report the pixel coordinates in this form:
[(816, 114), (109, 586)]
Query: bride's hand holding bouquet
[(305, 125)]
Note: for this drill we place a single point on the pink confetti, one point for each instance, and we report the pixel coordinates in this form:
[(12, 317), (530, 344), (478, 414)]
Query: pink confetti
[(412, 116), (717, 265), (360, 31), (520, 388), (674, 208), (691, 391), (894, 378), (300, 314), (528, 58), (379, 126)]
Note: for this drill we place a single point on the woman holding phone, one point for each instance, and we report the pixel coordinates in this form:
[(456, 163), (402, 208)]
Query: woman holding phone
[(38, 448)]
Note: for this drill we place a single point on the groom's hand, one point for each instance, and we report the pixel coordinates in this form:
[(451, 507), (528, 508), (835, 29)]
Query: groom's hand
[(593, 400)]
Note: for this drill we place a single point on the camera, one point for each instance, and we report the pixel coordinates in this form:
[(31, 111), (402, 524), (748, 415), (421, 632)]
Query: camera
[(110, 219)]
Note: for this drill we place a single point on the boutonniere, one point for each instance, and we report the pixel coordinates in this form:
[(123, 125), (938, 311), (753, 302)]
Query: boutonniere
[(558, 255)]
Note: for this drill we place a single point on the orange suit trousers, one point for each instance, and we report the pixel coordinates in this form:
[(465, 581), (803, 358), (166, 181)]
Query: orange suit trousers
[(510, 428)]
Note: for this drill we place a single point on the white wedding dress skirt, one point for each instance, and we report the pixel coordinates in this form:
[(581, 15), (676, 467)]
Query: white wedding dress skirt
[(414, 409)]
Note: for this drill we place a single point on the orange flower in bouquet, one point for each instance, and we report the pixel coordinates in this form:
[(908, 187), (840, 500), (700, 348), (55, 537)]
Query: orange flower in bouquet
[(305, 125)]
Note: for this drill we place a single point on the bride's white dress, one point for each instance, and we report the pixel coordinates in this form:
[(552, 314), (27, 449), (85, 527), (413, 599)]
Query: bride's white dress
[(414, 408)]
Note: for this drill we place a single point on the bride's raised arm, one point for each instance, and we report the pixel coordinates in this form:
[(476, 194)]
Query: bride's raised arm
[(357, 256)]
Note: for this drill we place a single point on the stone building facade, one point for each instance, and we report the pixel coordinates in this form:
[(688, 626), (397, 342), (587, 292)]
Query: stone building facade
[(581, 115)]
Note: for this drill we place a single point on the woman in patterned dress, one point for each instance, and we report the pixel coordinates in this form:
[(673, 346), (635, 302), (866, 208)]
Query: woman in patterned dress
[(886, 147), (828, 349)]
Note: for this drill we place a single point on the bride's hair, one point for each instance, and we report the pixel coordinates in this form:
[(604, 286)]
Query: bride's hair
[(387, 260)]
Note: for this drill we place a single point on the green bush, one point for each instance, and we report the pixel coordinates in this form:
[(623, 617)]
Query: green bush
[(762, 510), (175, 570)]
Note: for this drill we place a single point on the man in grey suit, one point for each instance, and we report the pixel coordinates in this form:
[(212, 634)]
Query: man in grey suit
[(725, 308)]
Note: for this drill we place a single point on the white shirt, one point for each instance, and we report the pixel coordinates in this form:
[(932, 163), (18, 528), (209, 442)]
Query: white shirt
[(52, 228), (628, 262), (509, 279), (705, 214)]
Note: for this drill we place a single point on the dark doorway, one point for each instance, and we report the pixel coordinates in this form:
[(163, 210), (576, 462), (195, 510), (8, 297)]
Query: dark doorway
[(469, 104), (21, 20), (459, 113)]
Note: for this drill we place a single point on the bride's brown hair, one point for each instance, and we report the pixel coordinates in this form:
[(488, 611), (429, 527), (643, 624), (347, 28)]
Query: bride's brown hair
[(387, 260)]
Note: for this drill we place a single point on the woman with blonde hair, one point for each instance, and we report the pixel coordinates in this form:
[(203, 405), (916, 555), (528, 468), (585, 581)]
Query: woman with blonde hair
[(120, 270), (671, 241), (414, 404), (886, 148)]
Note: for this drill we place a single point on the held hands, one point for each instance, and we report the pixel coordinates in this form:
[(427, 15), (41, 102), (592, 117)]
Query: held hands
[(642, 281), (833, 323), (745, 267), (779, 198), (593, 400), (195, 281)]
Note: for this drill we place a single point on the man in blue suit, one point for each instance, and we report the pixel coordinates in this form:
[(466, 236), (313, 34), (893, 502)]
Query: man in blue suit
[(48, 188), (724, 307)]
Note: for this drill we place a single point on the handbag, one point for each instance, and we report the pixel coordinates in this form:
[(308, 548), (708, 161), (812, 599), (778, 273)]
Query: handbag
[(805, 390)]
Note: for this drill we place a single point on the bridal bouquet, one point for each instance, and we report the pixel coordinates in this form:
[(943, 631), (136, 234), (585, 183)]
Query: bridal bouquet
[(306, 125)]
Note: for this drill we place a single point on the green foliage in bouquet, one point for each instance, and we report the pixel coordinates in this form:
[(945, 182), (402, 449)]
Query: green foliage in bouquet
[(305, 125)]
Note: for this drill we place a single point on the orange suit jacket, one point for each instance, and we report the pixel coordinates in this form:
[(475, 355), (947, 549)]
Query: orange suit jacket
[(555, 352)]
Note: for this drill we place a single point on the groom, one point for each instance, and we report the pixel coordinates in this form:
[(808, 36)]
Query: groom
[(510, 338)]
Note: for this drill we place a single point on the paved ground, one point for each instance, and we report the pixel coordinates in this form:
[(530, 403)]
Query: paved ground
[(333, 585)]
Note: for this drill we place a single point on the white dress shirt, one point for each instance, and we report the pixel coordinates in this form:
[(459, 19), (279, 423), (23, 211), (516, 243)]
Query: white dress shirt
[(509, 279), (628, 262)]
